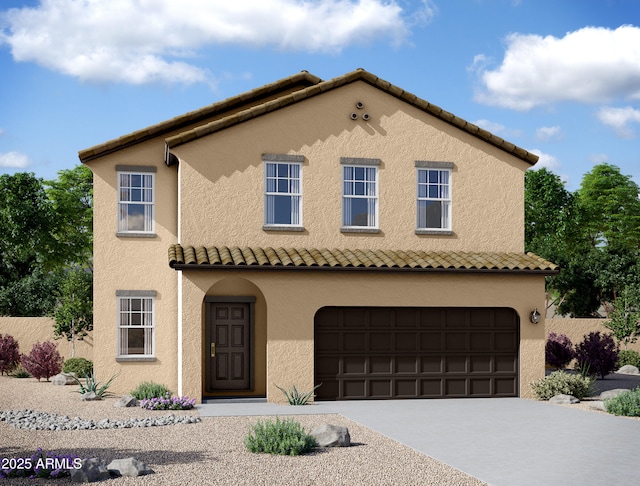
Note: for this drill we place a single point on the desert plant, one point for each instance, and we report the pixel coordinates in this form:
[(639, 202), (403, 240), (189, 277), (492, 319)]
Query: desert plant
[(168, 403), (285, 437), (627, 404), (628, 357), (149, 389), (20, 372), (599, 352), (558, 350), (79, 366), (295, 397), (9, 353), (91, 385), (562, 383), (43, 361)]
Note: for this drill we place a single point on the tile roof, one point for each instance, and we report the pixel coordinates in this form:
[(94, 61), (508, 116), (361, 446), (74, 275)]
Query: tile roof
[(257, 258), (203, 115), (357, 75), (265, 99)]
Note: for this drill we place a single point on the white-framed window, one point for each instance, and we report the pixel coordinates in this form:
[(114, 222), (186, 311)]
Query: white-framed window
[(283, 194), (136, 324), (135, 202), (434, 199), (359, 196)]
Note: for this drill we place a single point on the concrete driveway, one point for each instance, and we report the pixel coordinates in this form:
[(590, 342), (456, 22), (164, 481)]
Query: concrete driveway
[(502, 441)]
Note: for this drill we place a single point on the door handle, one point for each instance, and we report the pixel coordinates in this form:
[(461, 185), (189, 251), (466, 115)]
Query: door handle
[(213, 350)]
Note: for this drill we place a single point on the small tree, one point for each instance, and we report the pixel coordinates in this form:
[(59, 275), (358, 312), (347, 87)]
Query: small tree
[(9, 353), (625, 318), (597, 354), (74, 311), (43, 361)]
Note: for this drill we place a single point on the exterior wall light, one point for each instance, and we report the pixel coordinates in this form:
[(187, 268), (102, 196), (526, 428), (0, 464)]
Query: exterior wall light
[(535, 316)]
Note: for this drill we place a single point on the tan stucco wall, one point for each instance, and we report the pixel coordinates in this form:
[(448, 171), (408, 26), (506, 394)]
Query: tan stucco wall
[(29, 330), (577, 329), (125, 263), (222, 177), (291, 300)]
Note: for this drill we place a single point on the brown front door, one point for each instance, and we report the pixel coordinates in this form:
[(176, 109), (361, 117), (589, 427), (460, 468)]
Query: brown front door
[(228, 346)]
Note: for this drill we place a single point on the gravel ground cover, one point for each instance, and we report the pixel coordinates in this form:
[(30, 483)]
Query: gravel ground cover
[(211, 451)]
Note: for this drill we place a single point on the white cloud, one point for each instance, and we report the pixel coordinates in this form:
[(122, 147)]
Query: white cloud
[(590, 65), (620, 119), (497, 128), (546, 160), (547, 134), (14, 160), (154, 40)]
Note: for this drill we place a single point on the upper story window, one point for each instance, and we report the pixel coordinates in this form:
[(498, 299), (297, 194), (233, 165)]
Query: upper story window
[(136, 324), (283, 191), (135, 200), (359, 193), (434, 196)]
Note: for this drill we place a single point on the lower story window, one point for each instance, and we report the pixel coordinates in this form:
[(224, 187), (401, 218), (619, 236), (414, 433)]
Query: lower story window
[(135, 326)]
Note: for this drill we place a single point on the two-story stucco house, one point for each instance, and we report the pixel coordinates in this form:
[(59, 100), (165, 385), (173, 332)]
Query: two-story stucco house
[(343, 232)]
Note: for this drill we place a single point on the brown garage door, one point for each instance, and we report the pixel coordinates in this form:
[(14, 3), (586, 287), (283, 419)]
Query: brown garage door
[(421, 352)]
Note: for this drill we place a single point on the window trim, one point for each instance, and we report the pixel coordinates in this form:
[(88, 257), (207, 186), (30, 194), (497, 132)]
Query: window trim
[(289, 160), (141, 171), (435, 166), (361, 163), (135, 294)]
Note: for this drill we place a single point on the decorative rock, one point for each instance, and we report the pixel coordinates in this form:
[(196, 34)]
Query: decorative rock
[(126, 401), (89, 396), (64, 379), (128, 467), (612, 393), (92, 470), (564, 399), (328, 435), (597, 404), (629, 370)]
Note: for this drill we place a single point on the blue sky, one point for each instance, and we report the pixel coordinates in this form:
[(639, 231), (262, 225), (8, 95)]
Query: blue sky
[(560, 78)]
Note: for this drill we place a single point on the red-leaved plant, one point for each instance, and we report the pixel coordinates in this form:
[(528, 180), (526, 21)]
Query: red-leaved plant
[(43, 361), (558, 350), (9, 354), (597, 354)]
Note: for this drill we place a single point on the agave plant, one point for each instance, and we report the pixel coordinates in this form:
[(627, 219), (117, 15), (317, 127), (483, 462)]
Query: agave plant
[(91, 385), (295, 397)]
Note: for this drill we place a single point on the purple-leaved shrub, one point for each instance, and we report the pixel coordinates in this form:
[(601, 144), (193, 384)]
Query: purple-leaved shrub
[(558, 350), (9, 353), (597, 354), (43, 361)]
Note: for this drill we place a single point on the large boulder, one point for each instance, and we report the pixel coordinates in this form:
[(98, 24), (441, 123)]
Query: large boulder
[(597, 405), (564, 399), (629, 370), (128, 467), (90, 471), (328, 435), (126, 401), (612, 393), (64, 379)]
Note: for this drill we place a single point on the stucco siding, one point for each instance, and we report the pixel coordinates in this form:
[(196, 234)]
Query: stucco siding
[(487, 184), (291, 300)]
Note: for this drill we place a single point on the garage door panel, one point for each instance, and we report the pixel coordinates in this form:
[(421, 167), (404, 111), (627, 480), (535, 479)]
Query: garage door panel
[(384, 352)]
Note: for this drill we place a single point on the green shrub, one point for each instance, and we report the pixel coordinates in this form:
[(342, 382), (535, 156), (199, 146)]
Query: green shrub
[(149, 389), (285, 437), (20, 372), (628, 357), (559, 382), (627, 404), (79, 366)]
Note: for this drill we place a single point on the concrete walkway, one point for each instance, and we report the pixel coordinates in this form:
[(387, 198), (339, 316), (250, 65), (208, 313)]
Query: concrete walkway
[(504, 442)]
